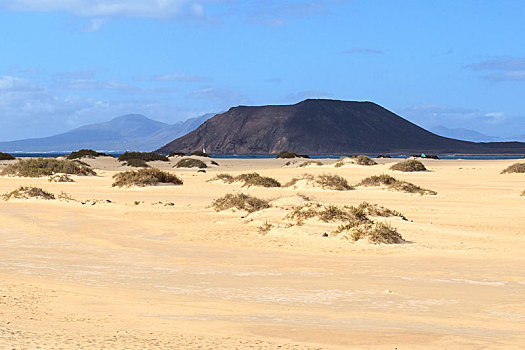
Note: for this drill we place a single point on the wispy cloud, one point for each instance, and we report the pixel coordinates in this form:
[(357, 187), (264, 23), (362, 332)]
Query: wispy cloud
[(110, 8), (181, 77), (361, 50), (503, 69), (222, 95)]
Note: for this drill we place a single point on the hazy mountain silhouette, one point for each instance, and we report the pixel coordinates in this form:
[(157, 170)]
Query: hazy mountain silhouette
[(323, 127), (127, 132)]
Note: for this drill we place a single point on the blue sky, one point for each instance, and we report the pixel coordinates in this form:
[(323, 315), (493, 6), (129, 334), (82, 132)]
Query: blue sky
[(67, 63)]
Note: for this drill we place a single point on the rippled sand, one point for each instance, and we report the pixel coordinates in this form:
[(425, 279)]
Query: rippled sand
[(114, 274)]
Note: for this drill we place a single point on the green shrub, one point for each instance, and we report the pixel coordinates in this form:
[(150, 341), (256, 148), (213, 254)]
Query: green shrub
[(145, 156), (190, 163), (144, 177), (515, 168), (409, 165), (310, 162), (86, 153), (333, 182), (137, 163), (394, 184), (364, 160), (199, 154), (39, 167), (240, 201), (6, 156), (28, 192), (286, 154)]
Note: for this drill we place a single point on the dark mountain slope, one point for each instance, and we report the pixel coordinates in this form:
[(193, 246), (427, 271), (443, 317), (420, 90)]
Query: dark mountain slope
[(322, 127)]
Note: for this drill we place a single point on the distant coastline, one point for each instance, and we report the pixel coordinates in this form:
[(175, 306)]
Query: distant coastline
[(270, 156)]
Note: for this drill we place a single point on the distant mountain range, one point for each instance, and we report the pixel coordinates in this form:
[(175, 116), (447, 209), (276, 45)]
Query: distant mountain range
[(471, 135), (324, 127), (128, 132)]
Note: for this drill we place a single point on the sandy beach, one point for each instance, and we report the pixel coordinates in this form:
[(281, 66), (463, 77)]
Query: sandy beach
[(158, 268)]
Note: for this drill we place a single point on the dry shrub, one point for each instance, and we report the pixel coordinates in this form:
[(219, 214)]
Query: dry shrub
[(355, 220), (39, 167), (286, 154), (144, 177), (248, 179), (60, 178), (6, 156), (191, 163), (364, 160), (515, 168), (310, 162), (333, 182), (240, 201), (409, 165), (394, 184), (28, 192), (137, 163), (523, 193)]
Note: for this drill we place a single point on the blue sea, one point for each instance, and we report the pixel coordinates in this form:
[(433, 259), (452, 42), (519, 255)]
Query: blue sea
[(269, 156)]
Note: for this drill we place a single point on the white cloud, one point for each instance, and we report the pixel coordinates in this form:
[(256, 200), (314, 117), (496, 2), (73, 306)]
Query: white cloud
[(109, 8), (503, 69)]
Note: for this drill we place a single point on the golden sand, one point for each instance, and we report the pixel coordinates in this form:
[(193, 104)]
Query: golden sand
[(157, 268)]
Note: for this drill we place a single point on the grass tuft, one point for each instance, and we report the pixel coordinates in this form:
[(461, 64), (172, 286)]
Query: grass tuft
[(240, 201), (28, 192), (409, 165), (39, 167), (515, 168), (364, 160), (144, 177)]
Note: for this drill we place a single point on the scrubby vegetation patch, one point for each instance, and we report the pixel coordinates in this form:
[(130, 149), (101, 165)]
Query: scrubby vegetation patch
[(6, 156), (310, 162), (136, 163), (28, 192), (514, 168), (60, 178), (286, 154), (409, 165), (240, 201), (395, 185), (248, 179), (145, 156), (86, 153), (356, 222), (199, 154), (145, 177), (326, 181), (39, 167), (191, 163)]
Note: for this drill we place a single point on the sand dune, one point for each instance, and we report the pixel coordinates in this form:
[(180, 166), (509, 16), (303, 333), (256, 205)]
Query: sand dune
[(156, 267)]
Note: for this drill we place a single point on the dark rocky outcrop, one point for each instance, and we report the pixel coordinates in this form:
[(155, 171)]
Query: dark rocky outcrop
[(323, 127)]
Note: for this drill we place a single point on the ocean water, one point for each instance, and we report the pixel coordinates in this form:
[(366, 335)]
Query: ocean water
[(269, 156)]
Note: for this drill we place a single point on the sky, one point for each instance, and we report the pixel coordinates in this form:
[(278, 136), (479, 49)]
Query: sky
[(68, 63)]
